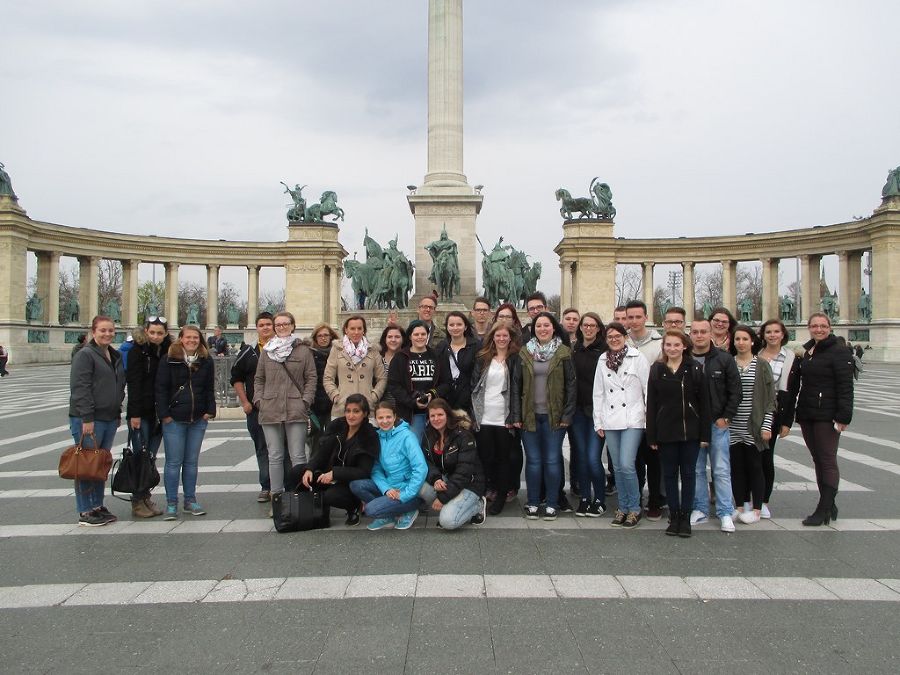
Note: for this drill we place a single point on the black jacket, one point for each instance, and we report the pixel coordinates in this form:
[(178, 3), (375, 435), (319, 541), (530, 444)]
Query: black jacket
[(321, 403), (459, 464), (96, 386), (724, 384), (185, 393), (143, 365), (400, 384), (460, 394), (677, 404), (823, 383), (244, 368), (348, 460), (585, 360)]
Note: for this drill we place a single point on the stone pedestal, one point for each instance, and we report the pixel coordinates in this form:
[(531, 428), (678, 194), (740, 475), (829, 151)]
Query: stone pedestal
[(587, 260), (313, 267)]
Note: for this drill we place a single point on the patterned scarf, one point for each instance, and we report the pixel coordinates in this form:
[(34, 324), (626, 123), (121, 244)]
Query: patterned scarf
[(615, 359), (541, 352), (355, 353), (279, 348)]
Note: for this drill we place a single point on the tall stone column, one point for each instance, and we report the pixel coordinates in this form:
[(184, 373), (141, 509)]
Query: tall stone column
[(252, 294), (648, 288), (445, 198), (687, 289), (212, 296), (854, 268), (810, 271), (335, 294), (886, 277), (130, 291), (88, 288), (729, 285), (172, 293), (48, 285), (770, 304), (844, 310)]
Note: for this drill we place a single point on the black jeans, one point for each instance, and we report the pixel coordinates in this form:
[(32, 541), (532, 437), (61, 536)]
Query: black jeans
[(649, 470), (746, 474), (680, 459), (822, 440), (337, 495), (495, 449)]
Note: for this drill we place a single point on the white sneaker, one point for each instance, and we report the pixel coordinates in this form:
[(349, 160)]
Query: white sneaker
[(749, 517), (765, 513), (698, 517), (727, 524)]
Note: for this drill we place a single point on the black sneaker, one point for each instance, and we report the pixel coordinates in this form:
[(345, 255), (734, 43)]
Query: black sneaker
[(610, 489), (93, 519), (496, 507), (352, 518), (596, 509), (106, 513), (478, 518), (532, 512), (564, 505), (582, 509), (631, 521), (618, 519), (674, 527), (550, 513)]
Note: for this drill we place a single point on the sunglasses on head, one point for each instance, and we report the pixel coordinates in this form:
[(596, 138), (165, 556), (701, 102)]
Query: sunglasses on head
[(157, 319)]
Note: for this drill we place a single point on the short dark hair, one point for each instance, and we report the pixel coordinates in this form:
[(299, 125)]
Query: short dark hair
[(636, 304), (360, 400), (732, 322), (468, 331), (774, 322), (537, 295), (382, 341), (264, 315), (558, 330), (483, 299), (569, 310), (620, 308), (674, 309), (755, 342)]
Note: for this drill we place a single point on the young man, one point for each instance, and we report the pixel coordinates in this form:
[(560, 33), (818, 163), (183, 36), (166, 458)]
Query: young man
[(218, 344), (534, 305), (648, 463), (481, 317), (724, 397), (242, 373), (620, 314), (675, 318), (570, 319), (426, 308)]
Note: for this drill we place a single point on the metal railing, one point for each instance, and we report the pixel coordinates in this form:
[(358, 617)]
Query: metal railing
[(225, 396)]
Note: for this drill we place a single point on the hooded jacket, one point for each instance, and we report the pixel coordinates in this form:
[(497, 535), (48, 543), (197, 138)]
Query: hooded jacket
[(347, 460), (185, 393), (677, 404), (140, 375), (401, 464), (96, 386), (560, 389), (823, 383), (275, 393), (458, 465)]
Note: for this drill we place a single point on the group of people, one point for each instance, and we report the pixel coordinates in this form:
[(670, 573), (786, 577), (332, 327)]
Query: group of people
[(445, 417)]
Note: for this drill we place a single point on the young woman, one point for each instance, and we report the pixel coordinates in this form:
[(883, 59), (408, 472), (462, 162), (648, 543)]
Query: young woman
[(354, 367), (678, 423), (4, 359), (454, 486), (97, 388), (321, 338), (185, 402), (284, 390), (391, 495), (774, 336), (392, 340), (548, 404), (347, 451), (823, 388), (457, 353), (751, 426), (722, 324), (417, 376), (589, 346), (497, 409), (507, 313), (143, 365), (620, 416)]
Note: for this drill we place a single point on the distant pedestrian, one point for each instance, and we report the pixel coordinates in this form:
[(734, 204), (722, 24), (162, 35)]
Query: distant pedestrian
[(4, 359)]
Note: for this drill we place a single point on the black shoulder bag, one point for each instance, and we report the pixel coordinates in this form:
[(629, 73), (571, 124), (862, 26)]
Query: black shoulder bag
[(135, 471)]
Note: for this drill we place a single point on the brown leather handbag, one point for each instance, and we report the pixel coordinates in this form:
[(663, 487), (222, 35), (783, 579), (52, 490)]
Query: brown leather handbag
[(80, 463)]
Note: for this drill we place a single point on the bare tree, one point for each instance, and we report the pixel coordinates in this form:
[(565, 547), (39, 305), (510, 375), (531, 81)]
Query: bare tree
[(272, 300), (660, 295), (708, 288), (191, 293), (749, 286), (230, 296), (629, 284), (148, 292), (110, 282), (68, 290), (553, 304)]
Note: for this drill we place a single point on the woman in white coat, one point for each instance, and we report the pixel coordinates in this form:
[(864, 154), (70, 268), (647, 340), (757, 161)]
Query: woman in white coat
[(620, 416)]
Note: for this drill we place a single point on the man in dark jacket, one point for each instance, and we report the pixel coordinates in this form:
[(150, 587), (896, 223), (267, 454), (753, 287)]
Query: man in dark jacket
[(218, 344), (724, 397)]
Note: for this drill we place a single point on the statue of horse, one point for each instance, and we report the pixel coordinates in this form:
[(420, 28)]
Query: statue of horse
[(327, 206), (354, 271), (570, 205), (498, 282), (532, 275), (446, 277)]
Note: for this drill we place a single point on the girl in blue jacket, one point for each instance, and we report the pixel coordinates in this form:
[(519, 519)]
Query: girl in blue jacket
[(391, 495)]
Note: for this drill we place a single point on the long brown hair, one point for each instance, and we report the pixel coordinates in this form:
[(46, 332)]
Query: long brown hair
[(489, 350)]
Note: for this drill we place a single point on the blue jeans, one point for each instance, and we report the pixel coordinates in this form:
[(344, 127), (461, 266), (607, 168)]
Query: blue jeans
[(720, 463), (543, 460), (183, 440), (89, 493), (262, 450), (417, 426), (377, 504), (622, 445), (458, 511), (591, 475)]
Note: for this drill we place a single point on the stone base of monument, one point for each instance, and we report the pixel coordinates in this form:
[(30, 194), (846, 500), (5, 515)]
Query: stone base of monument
[(376, 319)]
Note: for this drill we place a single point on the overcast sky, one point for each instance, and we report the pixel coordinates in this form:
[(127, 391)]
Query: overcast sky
[(180, 118)]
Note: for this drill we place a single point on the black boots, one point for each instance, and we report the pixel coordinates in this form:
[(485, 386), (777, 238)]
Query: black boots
[(679, 524), (825, 510)]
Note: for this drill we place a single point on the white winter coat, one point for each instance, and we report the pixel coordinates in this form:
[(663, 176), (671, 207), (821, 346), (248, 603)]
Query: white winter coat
[(620, 398)]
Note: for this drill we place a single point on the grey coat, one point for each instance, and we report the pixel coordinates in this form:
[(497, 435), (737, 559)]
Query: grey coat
[(97, 386), (275, 394)]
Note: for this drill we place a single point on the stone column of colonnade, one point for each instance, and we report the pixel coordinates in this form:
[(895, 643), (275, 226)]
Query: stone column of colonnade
[(770, 304), (729, 285), (88, 288), (48, 284), (130, 291), (252, 294), (687, 289), (648, 288), (212, 296), (810, 278), (172, 293)]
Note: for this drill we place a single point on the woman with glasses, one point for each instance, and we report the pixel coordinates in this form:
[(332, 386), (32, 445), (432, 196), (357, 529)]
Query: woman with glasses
[(823, 388), (284, 390), (508, 315), (143, 366), (721, 324), (320, 340), (620, 416), (185, 402)]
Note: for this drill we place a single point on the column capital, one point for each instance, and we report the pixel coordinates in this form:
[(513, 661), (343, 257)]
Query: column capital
[(253, 268), (212, 266)]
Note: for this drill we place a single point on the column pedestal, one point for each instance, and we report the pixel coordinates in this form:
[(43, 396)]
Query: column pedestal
[(311, 271), (587, 262)]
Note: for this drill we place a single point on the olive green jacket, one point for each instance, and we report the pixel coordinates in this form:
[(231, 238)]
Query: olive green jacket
[(560, 389)]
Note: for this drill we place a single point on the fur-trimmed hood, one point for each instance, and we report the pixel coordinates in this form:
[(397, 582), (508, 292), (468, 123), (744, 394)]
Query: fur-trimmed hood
[(176, 351)]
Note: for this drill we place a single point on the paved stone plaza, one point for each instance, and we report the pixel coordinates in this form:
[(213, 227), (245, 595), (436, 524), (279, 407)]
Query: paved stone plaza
[(223, 593)]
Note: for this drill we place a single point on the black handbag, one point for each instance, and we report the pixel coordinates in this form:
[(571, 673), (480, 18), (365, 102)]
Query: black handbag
[(300, 511), (135, 471)]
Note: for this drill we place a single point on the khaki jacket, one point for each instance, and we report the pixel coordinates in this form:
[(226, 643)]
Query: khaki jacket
[(276, 396), (342, 378)]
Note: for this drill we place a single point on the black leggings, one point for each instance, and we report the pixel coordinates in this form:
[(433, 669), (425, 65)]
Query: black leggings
[(337, 495), (649, 466), (495, 449), (680, 459), (822, 440), (747, 474)]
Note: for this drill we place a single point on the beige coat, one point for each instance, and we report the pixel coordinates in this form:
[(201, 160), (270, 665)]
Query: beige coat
[(342, 378), (276, 396)]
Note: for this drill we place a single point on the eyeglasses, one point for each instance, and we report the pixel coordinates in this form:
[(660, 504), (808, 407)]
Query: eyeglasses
[(424, 306), (615, 336), (482, 309), (282, 325), (719, 321), (674, 322), (590, 326), (504, 316), (157, 319), (536, 308)]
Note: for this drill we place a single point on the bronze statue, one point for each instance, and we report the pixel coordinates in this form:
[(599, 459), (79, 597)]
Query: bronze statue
[(300, 212), (570, 205), (745, 307), (786, 305), (34, 308), (297, 212), (71, 310), (6, 189), (232, 314), (384, 280), (864, 306), (829, 305), (891, 187), (193, 315), (599, 204), (111, 309), (445, 270), (497, 275), (602, 200)]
